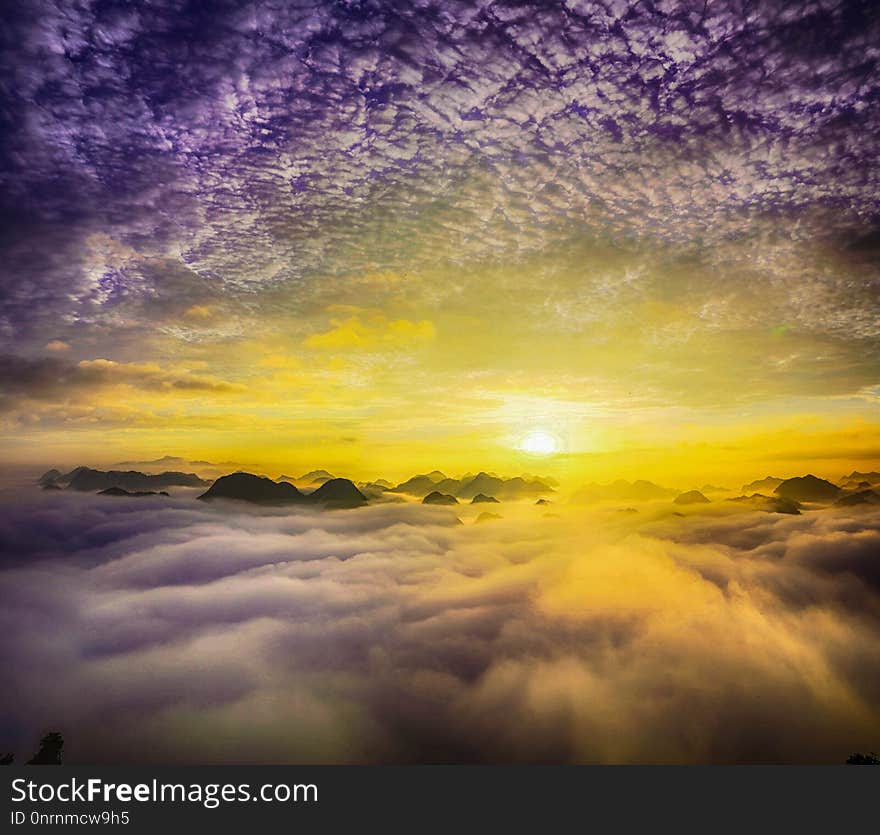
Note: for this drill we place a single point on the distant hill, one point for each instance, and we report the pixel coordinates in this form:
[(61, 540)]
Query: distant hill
[(691, 497), (485, 516), (436, 497), (85, 479), (418, 485), (312, 479), (174, 461), (808, 488), (856, 479), (49, 477), (503, 488), (858, 498), (623, 491), (57, 477), (257, 489), (375, 487), (769, 504), (338, 492), (118, 491), (481, 498), (762, 485), (381, 482), (472, 485), (247, 487)]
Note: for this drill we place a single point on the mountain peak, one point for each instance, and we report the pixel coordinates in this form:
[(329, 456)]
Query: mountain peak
[(436, 497), (338, 492), (691, 497), (252, 488), (808, 488)]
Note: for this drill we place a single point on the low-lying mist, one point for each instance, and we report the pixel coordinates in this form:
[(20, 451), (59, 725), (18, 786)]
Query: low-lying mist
[(164, 630)]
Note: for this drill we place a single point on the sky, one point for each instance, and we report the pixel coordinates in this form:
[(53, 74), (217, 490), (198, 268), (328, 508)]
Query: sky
[(382, 237)]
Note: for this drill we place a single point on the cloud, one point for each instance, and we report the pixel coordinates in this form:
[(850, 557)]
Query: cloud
[(252, 154), (150, 375), (173, 632), (371, 331), (50, 378)]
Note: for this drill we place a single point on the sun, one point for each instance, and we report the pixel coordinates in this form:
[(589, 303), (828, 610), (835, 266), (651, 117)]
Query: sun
[(539, 442)]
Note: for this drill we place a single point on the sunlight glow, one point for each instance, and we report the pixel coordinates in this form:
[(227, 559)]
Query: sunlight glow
[(539, 442)]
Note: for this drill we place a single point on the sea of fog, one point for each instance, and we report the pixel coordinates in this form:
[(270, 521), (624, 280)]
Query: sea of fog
[(166, 630)]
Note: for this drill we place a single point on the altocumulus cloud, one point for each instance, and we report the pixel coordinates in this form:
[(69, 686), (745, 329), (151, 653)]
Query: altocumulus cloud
[(165, 631), (184, 154)]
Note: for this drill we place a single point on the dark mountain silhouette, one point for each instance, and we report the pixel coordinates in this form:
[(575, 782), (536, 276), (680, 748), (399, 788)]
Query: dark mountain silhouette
[(418, 485), (691, 497), (338, 492), (509, 488), (485, 516), (436, 497), (379, 485), (470, 485), (808, 488), (543, 501), (769, 504), (448, 485), (247, 487), (762, 485), (49, 477), (374, 487), (50, 485), (860, 480), (67, 477), (482, 498), (523, 488), (118, 491), (857, 498), (57, 477), (253, 488), (86, 479), (488, 485)]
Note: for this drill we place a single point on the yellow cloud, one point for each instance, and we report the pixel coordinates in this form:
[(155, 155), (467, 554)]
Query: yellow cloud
[(371, 331), (150, 375), (200, 313), (281, 361)]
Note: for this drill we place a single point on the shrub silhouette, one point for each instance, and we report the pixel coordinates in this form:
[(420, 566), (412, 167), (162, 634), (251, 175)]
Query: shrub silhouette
[(49, 753), (863, 759)]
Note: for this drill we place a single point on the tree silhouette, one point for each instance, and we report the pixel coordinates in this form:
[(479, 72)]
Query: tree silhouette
[(6, 759), (863, 759), (49, 753)]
